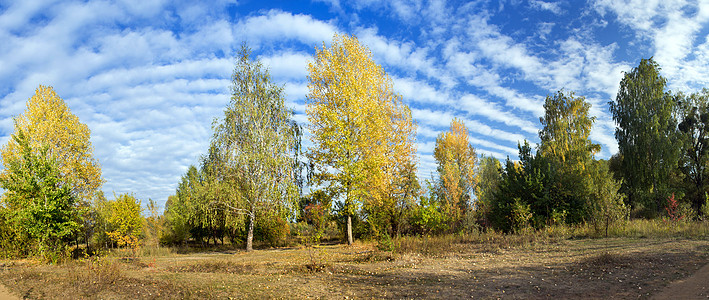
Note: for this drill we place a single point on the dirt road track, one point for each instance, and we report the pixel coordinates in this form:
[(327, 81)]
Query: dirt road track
[(693, 287)]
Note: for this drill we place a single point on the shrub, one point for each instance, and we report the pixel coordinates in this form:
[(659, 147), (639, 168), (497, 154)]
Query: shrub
[(607, 204), (271, 228), (520, 215)]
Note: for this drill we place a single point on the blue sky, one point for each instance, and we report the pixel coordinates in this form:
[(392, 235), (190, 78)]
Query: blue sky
[(148, 77)]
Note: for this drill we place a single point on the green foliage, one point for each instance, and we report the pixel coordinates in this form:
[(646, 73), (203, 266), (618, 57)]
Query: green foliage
[(704, 211), (251, 166), (647, 135), (568, 151), (553, 182), (607, 203), (38, 212), (566, 130), (527, 182), (427, 216), (272, 228), (520, 215), (694, 130), (177, 227), (489, 174)]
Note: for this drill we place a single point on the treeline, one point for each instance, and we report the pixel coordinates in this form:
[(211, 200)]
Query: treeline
[(358, 179), (360, 173)]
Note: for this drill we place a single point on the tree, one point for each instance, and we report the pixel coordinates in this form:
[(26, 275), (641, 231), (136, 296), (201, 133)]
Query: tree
[(177, 228), (361, 131), (48, 122), (456, 170), (608, 206), (38, 203), (523, 190), (647, 135), (124, 220), (566, 130), (694, 128), (568, 151), (254, 146), (154, 225), (489, 174)]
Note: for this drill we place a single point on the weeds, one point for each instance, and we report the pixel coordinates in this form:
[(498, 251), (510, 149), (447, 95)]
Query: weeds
[(100, 271)]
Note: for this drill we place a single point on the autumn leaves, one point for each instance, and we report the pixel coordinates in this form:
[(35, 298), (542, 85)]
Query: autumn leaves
[(363, 134)]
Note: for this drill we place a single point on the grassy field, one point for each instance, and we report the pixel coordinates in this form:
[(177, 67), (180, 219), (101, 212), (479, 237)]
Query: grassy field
[(557, 263)]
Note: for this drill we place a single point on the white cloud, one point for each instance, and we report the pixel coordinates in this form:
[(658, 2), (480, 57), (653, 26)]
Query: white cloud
[(288, 65), (550, 6), (277, 24)]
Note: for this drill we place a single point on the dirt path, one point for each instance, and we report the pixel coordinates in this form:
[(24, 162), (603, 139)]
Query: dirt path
[(694, 287), (5, 294)]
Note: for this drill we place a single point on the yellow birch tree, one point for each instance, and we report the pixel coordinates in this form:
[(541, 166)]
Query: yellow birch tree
[(361, 131), (47, 121)]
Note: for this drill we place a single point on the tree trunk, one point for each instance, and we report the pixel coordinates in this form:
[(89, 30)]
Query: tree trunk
[(349, 230), (250, 234)]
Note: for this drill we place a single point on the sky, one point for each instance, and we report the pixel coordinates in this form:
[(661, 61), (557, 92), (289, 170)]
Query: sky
[(149, 77)]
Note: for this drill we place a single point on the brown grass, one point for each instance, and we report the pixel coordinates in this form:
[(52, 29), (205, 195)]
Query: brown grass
[(535, 264)]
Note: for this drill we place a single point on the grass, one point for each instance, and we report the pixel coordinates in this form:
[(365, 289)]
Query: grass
[(564, 262)]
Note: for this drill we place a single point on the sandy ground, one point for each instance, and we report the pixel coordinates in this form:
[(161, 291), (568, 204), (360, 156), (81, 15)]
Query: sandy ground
[(693, 287), (5, 294)]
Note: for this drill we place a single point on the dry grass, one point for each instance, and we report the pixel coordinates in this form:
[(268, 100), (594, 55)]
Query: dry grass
[(533, 264)]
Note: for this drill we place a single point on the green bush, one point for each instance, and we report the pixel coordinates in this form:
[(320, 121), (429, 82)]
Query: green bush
[(271, 228), (427, 218), (39, 213)]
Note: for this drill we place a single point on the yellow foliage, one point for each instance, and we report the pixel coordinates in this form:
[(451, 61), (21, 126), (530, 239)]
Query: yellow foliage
[(125, 220), (363, 134), (456, 167), (48, 121)]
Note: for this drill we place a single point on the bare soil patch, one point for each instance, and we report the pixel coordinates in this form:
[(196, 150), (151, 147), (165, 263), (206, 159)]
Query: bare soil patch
[(586, 268), (693, 287)]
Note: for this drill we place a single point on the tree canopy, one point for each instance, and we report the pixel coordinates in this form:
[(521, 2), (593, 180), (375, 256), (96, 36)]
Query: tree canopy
[(48, 122), (647, 135)]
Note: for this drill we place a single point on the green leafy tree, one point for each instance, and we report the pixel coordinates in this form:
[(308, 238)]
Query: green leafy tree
[(566, 130), (254, 146), (524, 187), (647, 135), (49, 125), (568, 151), (177, 227), (38, 202), (694, 128), (489, 174), (427, 216)]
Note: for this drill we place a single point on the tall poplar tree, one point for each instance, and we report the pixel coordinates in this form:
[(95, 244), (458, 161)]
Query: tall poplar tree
[(361, 131), (647, 135), (457, 162)]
